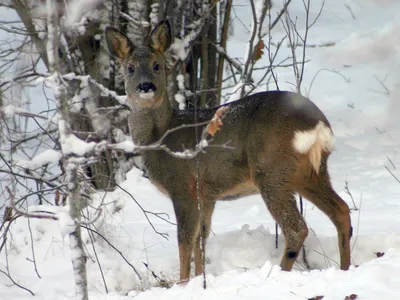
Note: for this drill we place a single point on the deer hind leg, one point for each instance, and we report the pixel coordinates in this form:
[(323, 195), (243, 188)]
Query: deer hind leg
[(272, 172), (204, 232), (282, 205), (187, 217), (318, 190)]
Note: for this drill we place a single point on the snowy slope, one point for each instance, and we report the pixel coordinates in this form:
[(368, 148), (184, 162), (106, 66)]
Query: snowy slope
[(362, 104)]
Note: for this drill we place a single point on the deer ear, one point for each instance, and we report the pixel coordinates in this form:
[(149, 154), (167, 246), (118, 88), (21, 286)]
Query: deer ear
[(118, 44), (160, 37)]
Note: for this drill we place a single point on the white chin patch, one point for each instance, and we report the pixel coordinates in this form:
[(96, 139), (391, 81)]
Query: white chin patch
[(148, 95)]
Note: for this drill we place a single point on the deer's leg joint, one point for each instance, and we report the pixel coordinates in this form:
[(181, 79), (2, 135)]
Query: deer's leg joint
[(291, 254)]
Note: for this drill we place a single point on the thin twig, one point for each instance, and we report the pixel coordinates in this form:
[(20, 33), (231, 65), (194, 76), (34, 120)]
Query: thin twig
[(391, 173), (145, 212), (115, 248), (16, 284), (19, 77), (320, 245), (223, 40), (92, 221), (98, 260), (394, 167), (245, 74), (33, 248), (6, 229), (161, 282), (350, 11), (185, 154), (322, 45), (346, 79), (347, 190), (281, 13), (358, 223), (381, 82), (25, 214)]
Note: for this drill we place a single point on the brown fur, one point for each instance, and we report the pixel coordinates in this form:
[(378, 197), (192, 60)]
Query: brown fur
[(259, 128)]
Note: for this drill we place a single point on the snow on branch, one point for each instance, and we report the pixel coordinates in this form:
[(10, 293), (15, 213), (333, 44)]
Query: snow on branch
[(140, 24), (51, 212), (11, 110), (76, 10), (42, 159), (71, 145), (29, 214), (221, 51), (181, 47), (208, 132), (104, 91)]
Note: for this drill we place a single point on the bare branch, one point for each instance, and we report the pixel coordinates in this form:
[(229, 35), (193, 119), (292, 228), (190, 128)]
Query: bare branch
[(393, 165), (112, 246), (222, 51), (347, 190), (346, 79), (281, 13), (385, 91), (146, 212), (17, 284), (33, 249), (393, 175), (20, 77), (245, 74), (26, 214)]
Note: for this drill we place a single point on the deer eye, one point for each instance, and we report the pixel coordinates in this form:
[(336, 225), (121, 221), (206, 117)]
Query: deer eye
[(156, 67), (131, 69)]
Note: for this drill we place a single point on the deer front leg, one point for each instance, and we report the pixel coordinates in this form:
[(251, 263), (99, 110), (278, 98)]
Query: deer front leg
[(208, 209), (187, 217)]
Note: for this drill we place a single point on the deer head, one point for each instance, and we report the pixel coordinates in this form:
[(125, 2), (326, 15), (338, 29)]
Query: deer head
[(144, 66)]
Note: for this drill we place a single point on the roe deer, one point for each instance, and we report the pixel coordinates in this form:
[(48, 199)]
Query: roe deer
[(280, 145)]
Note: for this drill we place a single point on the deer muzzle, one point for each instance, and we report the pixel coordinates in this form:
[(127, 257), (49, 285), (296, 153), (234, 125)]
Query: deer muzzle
[(145, 95), (146, 87)]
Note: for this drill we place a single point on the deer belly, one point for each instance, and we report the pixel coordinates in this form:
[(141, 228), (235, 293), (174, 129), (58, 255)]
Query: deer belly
[(160, 187), (242, 189)]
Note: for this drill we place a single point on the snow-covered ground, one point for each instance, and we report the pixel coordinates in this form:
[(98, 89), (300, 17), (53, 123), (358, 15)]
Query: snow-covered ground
[(362, 102)]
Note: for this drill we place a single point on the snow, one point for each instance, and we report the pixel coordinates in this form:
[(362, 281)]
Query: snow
[(180, 79), (46, 157), (181, 100), (179, 97), (75, 14), (241, 256), (180, 47), (65, 223), (70, 144), (10, 110), (74, 145), (236, 91), (127, 146)]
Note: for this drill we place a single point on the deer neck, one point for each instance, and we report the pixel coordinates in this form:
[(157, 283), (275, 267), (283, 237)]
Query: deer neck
[(148, 125)]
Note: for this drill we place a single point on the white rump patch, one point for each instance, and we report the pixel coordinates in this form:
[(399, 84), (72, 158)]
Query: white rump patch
[(148, 95), (314, 142), (304, 140)]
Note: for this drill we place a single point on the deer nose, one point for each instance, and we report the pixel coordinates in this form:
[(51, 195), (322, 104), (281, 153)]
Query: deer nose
[(146, 87)]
